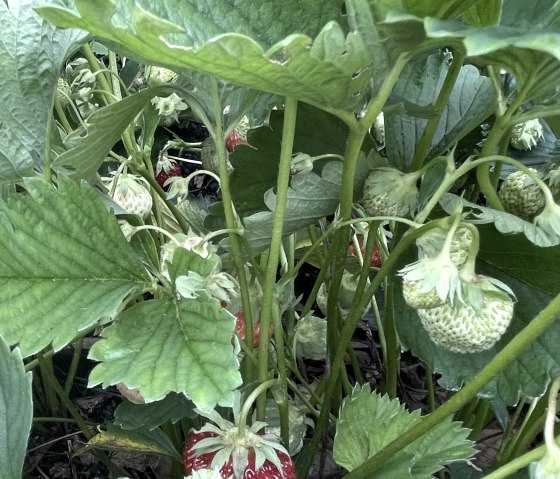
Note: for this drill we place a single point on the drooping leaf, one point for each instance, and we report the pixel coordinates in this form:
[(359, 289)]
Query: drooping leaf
[(470, 103), (89, 147), (31, 56), (533, 275), (505, 223), (172, 408), (154, 442), (165, 345), (295, 48), (64, 264), (311, 196), (16, 411), (368, 422)]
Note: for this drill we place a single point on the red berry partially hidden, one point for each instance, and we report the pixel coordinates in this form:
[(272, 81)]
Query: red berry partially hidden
[(232, 140), (240, 329), (166, 169), (193, 462), (376, 260)]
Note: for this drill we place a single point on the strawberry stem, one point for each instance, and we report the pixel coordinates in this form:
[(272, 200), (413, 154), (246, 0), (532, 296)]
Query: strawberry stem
[(248, 404)]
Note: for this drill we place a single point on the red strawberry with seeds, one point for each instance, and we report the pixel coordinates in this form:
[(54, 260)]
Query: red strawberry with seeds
[(165, 169), (240, 329), (376, 260), (237, 452), (234, 139)]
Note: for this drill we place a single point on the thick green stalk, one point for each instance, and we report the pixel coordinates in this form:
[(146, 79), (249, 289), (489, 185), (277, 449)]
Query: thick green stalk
[(502, 359), (269, 287), (392, 343), (423, 147)]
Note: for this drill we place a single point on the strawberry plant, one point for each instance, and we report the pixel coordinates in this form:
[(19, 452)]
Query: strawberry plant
[(278, 240)]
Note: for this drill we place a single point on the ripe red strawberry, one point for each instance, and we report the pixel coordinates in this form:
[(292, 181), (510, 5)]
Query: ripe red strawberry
[(375, 257), (234, 139), (165, 169), (193, 462), (240, 329)]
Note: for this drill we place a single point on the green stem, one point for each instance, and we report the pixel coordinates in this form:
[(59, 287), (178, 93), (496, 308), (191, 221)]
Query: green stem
[(288, 133), (62, 116), (73, 366), (248, 404), (501, 360), (392, 344), (512, 467), (423, 147)]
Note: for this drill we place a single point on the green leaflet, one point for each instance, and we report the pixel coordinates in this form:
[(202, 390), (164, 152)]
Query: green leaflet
[(368, 422), (27, 85), (295, 48), (165, 345), (64, 264), (16, 411)]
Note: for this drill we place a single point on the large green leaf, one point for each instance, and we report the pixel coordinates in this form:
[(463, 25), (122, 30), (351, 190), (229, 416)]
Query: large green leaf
[(64, 264), (166, 345), (368, 422), (525, 42), (31, 56), (470, 103), (270, 48), (533, 273), (16, 411)]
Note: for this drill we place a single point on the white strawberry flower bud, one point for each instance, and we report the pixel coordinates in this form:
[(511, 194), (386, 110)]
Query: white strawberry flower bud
[(301, 163), (379, 128), (189, 242), (170, 106), (390, 192), (526, 135)]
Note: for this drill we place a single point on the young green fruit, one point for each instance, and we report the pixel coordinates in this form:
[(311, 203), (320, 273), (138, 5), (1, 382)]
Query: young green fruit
[(526, 135), (417, 298), (390, 192), (464, 329), (521, 196), (132, 196), (431, 243), (63, 92)]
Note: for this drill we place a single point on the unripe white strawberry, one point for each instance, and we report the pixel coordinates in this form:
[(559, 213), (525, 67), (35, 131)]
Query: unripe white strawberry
[(416, 298), (464, 329), (431, 243), (310, 338), (132, 196), (63, 92), (159, 75), (526, 135), (521, 196), (390, 192), (209, 157), (346, 294)]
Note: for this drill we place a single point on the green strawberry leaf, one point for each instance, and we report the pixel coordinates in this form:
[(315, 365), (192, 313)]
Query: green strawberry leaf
[(311, 196), (154, 442), (533, 274), (88, 147), (167, 345), (256, 167), (368, 422), (64, 264), (254, 47), (31, 55), (16, 411), (172, 408), (527, 48), (504, 222), (470, 103)]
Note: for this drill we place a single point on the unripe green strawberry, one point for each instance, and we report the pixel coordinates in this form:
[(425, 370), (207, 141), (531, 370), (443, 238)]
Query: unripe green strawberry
[(521, 196), (209, 157), (431, 243), (390, 192), (132, 196), (346, 294), (63, 91), (310, 338), (526, 135), (416, 298), (159, 75), (465, 329)]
